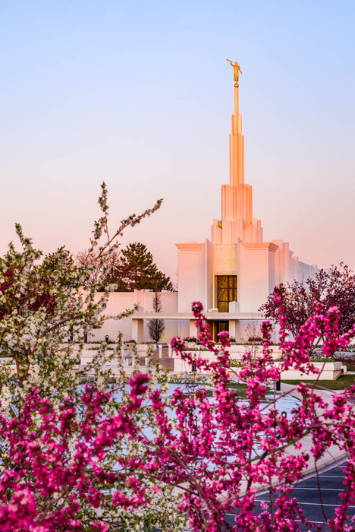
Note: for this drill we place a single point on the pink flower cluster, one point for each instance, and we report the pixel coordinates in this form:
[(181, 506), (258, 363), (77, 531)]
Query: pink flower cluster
[(55, 461), (234, 445), (216, 446)]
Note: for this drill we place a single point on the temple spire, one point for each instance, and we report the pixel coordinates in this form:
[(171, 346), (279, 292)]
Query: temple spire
[(236, 139), (236, 100), (236, 223)]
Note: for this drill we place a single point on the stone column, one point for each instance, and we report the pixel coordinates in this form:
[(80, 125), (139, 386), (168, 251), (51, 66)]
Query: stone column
[(138, 330), (192, 329), (232, 328), (239, 330)]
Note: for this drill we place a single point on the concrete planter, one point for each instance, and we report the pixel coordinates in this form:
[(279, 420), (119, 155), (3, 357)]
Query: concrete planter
[(329, 371), (142, 349), (237, 351), (191, 345)]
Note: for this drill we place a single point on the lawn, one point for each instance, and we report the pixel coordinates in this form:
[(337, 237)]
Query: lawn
[(345, 381)]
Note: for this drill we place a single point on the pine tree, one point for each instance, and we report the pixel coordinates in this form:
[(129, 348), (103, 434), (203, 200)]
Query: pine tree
[(136, 270)]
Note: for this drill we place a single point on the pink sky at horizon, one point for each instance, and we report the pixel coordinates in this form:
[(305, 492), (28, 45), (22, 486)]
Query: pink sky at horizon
[(143, 100)]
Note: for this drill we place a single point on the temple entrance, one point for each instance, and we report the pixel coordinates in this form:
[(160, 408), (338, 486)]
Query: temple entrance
[(219, 326)]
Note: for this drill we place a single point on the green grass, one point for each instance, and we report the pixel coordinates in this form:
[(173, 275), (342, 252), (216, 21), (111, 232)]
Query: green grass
[(344, 381), (237, 385), (323, 359), (350, 364)]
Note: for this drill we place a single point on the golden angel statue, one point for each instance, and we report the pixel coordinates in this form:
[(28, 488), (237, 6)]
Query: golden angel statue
[(237, 70)]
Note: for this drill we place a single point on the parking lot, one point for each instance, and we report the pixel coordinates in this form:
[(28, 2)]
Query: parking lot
[(317, 501)]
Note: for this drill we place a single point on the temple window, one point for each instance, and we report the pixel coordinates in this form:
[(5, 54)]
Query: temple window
[(226, 291)]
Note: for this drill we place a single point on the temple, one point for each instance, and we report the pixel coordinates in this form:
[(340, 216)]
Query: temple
[(233, 272)]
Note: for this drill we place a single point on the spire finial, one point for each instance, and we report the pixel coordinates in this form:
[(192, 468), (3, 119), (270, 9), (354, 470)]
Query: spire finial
[(237, 70)]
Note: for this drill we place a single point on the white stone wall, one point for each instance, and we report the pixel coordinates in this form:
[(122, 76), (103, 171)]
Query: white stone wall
[(192, 275), (253, 281), (120, 301)]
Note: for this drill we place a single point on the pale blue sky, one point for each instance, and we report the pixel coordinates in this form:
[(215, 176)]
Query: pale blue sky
[(138, 93)]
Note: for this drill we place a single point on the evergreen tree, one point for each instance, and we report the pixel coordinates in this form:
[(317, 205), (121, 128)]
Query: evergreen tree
[(136, 270)]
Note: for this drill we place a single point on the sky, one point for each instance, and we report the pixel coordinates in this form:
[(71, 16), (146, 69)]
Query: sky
[(139, 94)]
